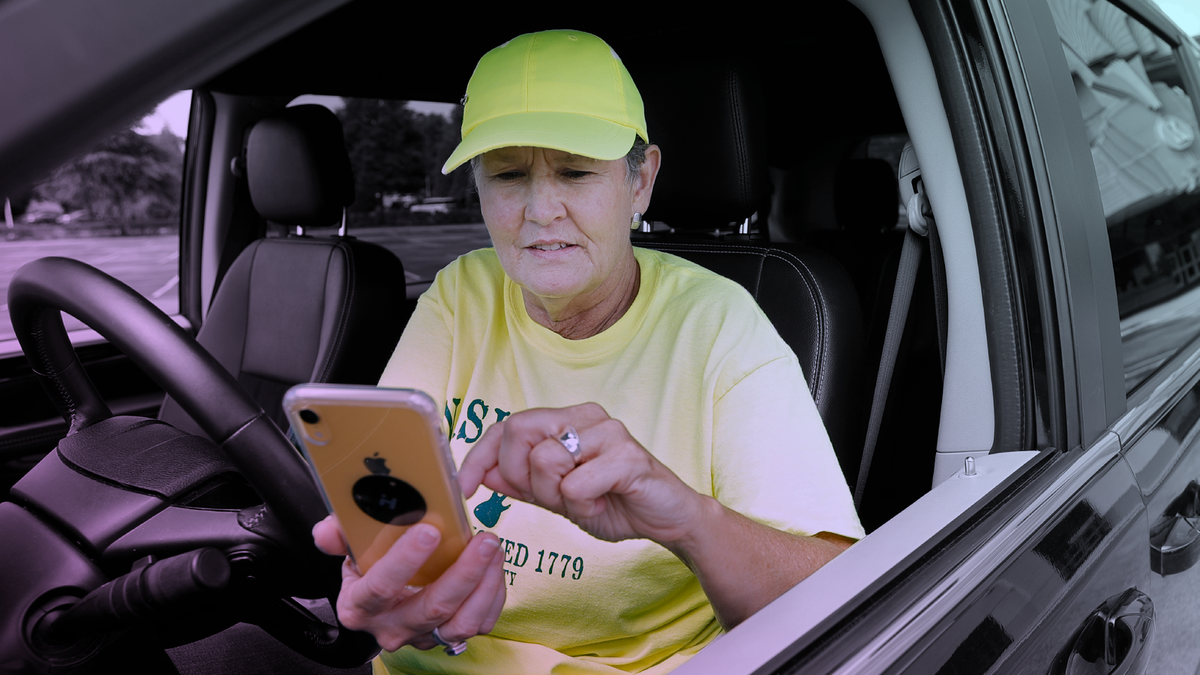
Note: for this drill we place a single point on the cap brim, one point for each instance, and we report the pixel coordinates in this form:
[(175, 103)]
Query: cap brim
[(570, 132)]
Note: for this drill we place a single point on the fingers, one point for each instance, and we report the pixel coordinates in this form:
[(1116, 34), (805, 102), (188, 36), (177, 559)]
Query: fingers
[(601, 473), (501, 459), (327, 535), (462, 599), (548, 463), (438, 602), (480, 459), (518, 439), (479, 610), (493, 613), (386, 581), (625, 492)]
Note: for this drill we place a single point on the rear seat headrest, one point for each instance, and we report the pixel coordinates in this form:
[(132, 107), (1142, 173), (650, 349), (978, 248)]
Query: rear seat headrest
[(706, 119), (298, 169), (866, 196)]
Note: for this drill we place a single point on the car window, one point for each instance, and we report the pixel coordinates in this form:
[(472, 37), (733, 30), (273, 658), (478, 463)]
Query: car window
[(402, 200), (1141, 126), (115, 207)]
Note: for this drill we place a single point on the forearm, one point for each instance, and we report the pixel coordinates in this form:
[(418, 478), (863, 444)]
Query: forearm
[(743, 565)]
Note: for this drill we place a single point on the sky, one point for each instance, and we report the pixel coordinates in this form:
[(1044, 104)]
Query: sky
[(1186, 13)]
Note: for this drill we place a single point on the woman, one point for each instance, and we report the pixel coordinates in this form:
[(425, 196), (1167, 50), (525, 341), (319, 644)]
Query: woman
[(654, 469)]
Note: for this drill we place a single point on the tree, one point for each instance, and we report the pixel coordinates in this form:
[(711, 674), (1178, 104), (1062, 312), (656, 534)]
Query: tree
[(395, 150), (442, 136), (385, 148), (127, 177)]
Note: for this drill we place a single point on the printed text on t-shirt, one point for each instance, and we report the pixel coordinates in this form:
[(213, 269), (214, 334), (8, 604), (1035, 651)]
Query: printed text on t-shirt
[(472, 427)]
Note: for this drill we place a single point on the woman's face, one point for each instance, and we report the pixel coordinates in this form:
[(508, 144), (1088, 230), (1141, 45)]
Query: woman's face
[(560, 222)]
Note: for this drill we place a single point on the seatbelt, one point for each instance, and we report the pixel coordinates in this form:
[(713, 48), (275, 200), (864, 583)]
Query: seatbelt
[(911, 184), (920, 221)]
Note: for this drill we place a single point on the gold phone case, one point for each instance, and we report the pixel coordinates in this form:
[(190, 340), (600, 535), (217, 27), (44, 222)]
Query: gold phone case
[(383, 466)]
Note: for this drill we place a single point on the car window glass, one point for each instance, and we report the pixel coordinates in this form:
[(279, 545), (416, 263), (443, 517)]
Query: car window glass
[(402, 201), (115, 207), (1141, 125)]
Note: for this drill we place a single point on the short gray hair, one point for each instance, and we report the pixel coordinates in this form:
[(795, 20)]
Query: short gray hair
[(635, 157)]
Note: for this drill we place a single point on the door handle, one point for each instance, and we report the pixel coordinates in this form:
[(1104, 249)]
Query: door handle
[(1175, 536), (1113, 640)]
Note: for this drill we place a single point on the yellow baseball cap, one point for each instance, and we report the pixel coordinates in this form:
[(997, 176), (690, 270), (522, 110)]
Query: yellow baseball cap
[(560, 89)]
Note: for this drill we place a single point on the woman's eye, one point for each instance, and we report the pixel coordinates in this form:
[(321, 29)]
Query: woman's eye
[(508, 175), (575, 174)]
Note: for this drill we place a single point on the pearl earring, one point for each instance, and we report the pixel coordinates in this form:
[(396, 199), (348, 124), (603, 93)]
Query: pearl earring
[(636, 223)]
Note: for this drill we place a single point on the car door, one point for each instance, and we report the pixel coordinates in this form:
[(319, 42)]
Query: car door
[(1138, 105), (1046, 567)]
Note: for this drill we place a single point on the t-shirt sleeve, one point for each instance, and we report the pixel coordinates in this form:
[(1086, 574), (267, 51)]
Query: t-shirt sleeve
[(422, 357), (772, 460)]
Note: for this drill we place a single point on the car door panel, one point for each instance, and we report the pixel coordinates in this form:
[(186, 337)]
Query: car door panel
[(1005, 587), (1018, 599), (1092, 552), (1166, 458)]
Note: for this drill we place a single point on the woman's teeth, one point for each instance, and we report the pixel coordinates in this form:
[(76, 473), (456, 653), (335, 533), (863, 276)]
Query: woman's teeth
[(550, 247)]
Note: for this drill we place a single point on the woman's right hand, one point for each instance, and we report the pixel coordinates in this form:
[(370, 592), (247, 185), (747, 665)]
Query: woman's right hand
[(465, 601)]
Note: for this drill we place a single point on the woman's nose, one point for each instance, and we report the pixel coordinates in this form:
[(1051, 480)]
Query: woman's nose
[(545, 204)]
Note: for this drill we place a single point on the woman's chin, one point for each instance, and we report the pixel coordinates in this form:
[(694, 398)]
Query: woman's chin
[(555, 279)]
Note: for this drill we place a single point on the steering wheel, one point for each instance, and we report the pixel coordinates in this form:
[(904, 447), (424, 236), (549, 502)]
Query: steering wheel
[(42, 289)]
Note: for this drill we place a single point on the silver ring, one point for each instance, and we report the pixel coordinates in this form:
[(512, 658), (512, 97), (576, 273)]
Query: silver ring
[(452, 648), (570, 441)]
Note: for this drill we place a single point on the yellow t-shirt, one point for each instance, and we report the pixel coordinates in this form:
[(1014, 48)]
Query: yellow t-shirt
[(698, 375)]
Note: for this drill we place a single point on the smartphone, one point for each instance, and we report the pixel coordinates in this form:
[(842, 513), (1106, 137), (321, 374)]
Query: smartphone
[(383, 465)]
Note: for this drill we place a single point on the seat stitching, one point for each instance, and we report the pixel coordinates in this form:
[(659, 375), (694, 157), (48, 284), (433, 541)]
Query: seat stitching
[(343, 318), (241, 366), (819, 370)]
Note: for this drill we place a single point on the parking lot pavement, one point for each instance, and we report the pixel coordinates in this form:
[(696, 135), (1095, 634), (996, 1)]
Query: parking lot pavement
[(150, 264)]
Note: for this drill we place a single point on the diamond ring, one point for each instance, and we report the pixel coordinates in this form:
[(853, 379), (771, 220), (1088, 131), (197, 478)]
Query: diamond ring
[(570, 441), (452, 648)]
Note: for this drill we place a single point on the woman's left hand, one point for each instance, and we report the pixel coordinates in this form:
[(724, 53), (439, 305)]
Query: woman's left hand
[(620, 491), (617, 491)]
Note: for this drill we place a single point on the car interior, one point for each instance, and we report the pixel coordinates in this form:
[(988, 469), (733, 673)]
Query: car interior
[(781, 171), (822, 203)]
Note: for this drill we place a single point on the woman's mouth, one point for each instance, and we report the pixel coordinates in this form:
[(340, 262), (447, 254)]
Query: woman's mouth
[(550, 247)]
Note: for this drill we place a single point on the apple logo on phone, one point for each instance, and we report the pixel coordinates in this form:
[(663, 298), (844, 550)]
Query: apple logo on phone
[(387, 499), (377, 465)]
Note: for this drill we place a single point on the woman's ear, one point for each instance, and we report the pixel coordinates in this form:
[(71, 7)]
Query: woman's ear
[(643, 183)]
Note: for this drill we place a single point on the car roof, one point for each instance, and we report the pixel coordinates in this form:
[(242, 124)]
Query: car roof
[(108, 68)]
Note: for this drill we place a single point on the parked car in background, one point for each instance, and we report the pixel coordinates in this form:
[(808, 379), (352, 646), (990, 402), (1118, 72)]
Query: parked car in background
[(431, 206), (1033, 496), (71, 217)]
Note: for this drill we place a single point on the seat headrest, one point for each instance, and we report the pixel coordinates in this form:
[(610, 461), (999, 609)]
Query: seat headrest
[(866, 196), (706, 119), (298, 169)]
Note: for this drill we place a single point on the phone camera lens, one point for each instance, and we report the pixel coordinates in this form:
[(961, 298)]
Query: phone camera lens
[(309, 416)]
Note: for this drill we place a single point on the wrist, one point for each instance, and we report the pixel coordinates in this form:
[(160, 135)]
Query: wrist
[(705, 516)]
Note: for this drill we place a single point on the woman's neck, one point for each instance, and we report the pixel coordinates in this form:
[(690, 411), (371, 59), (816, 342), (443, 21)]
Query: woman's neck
[(578, 323)]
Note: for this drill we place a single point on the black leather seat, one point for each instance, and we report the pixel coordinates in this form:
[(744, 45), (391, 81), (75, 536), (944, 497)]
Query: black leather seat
[(302, 309), (866, 241), (715, 173)]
